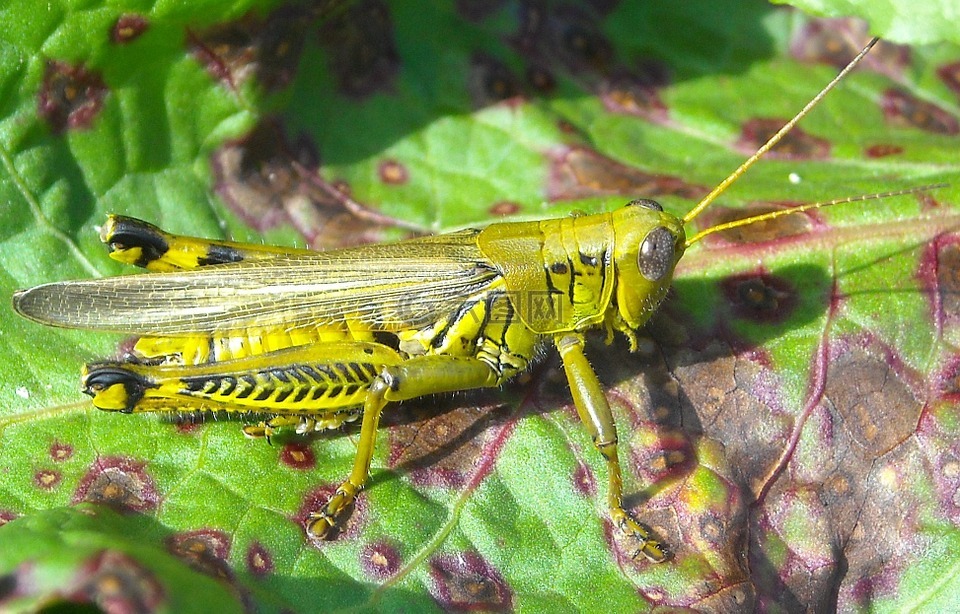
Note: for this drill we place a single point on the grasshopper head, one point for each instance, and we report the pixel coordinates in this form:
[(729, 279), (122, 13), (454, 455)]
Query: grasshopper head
[(649, 243)]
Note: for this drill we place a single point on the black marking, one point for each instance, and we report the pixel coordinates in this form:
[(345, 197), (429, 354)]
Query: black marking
[(322, 373), (130, 233), (220, 254), (369, 371), (603, 268), (507, 321), (302, 393), (283, 394), (551, 289), (231, 384), (344, 372), (440, 337), (572, 285), (559, 268), (246, 385), (384, 338), (193, 384), (264, 394), (360, 376), (351, 389), (317, 391), (102, 376), (588, 260), (335, 391)]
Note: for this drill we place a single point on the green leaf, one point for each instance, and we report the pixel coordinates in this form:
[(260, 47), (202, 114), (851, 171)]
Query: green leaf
[(899, 21), (88, 554), (789, 423)]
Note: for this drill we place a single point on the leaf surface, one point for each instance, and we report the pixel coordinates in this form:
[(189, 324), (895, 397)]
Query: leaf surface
[(789, 424)]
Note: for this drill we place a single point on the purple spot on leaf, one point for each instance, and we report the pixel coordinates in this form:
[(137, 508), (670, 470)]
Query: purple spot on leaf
[(467, 582), (60, 451), (298, 456), (259, 560), (490, 81), (903, 109), (205, 550), (796, 145), (579, 172), (882, 150), (115, 582), (47, 479), (128, 28), (362, 49), (380, 560), (71, 96), (392, 172), (760, 297), (119, 482)]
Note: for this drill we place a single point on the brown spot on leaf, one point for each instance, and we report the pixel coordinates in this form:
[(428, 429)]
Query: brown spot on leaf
[(796, 145), (47, 479), (442, 449), (380, 560), (760, 297), (205, 550), (583, 480), (115, 582), (119, 482), (541, 79), (837, 41), (490, 81), (349, 523), (882, 150), (903, 109), (6, 516), (266, 180), (268, 49), (948, 380), (725, 395), (128, 28), (569, 35), (259, 560), (71, 96), (467, 582), (578, 172), (362, 50), (504, 207), (947, 479), (764, 231), (632, 95), (660, 454), (393, 173), (872, 392), (60, 451), (939, 272), (950, 75), (298, 456)]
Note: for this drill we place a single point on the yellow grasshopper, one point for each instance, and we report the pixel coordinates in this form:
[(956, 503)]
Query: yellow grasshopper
[(317, 339)]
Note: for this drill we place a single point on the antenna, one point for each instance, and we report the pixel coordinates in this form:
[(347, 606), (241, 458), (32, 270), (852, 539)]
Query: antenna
[(806, 207), (773, 140)]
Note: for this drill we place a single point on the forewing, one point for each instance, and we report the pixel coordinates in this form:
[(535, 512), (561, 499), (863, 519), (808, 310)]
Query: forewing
[(383, 287)]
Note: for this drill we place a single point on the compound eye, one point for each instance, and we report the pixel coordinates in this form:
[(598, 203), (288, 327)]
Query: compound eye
[(646, 203), (656, 255)]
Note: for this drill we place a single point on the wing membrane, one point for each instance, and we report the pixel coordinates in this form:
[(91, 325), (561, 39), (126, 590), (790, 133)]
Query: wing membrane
[(385, 287)]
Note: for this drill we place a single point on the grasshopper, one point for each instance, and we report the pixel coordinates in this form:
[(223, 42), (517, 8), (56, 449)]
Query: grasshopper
[(318, 339)]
